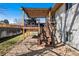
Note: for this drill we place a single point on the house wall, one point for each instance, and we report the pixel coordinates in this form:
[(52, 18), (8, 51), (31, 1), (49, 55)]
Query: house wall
[(59, 17), (74, 36), (67, 21)]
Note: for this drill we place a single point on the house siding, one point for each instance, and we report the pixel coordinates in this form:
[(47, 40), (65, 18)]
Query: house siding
[(64, 22), (59, 17)]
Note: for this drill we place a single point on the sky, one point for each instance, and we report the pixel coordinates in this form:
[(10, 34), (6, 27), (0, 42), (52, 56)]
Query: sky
[(11, 11)]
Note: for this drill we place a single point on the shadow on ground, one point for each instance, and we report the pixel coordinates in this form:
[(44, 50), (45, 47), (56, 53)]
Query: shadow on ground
[(40, 52), (35, 36)]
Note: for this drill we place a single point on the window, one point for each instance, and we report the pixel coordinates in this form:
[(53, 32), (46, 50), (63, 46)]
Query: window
[(68, 6), (66, 36)]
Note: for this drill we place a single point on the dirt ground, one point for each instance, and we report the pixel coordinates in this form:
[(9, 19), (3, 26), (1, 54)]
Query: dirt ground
[(29, 47)]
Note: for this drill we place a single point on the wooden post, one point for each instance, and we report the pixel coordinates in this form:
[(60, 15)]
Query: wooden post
[(51, 40), (49, 16), (23, 23), (39, 25)]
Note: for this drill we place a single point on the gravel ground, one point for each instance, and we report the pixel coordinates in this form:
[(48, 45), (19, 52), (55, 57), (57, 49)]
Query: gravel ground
[(29, 47)]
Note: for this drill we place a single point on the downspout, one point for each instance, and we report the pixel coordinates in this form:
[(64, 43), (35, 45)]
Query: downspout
[(23, 15), (64, 28), (72, 23)]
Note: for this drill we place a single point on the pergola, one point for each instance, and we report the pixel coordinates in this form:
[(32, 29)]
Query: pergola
[(36, 12), (40, 12)]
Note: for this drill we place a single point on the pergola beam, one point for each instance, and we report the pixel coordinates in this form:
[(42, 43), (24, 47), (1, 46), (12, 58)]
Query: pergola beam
[(26, 12), (36, 12), (56, 7)]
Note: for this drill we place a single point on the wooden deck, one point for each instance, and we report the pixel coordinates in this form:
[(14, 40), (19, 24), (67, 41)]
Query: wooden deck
[(18, 26)]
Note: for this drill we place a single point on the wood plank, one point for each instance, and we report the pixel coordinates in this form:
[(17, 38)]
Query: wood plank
[(18, 26)]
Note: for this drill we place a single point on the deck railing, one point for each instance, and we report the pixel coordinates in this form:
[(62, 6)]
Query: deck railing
[(18, 26)]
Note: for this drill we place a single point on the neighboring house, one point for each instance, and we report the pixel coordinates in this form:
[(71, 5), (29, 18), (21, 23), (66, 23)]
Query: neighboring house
[(33, 23), (67, 18), (30, 22)]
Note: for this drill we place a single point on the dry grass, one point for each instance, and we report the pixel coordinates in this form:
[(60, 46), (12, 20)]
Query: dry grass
[(4, 46)]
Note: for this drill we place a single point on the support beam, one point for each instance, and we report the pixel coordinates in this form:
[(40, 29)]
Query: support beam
[(51, 39), (49, 20), (23, 24)]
